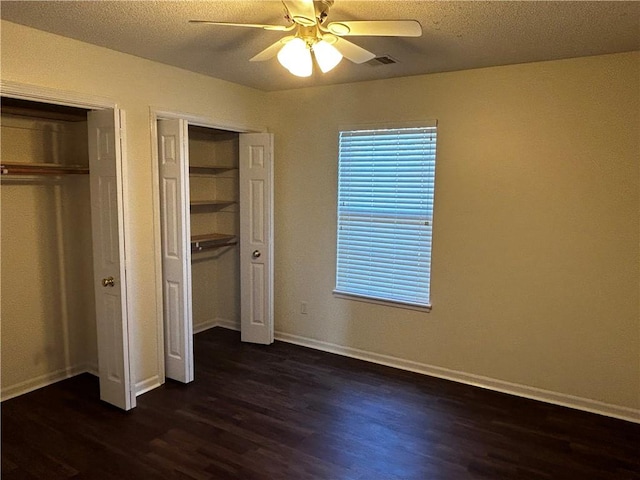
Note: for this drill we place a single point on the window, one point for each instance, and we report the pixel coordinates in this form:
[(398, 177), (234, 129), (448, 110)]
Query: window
[(385, 214)]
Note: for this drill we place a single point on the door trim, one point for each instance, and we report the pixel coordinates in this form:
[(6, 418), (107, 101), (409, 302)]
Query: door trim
[(36, 93), (155, 114)]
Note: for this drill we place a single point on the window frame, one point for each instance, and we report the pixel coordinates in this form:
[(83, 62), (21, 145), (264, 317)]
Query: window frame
[(374, 299)]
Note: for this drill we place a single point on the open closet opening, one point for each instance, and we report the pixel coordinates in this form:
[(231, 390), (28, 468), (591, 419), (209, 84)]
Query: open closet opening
[(199, 197), (215, 193), (62, 239), (48, 302), (215, 226)]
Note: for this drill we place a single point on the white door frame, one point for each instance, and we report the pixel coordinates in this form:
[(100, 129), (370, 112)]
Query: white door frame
[(155, 114), (36, 93)]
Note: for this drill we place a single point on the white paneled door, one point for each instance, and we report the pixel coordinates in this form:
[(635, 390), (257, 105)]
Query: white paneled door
[(107, 217), (173, 155), (256, 237)]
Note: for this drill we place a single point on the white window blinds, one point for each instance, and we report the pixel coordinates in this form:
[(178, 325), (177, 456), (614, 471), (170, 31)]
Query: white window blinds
[(385, 208)]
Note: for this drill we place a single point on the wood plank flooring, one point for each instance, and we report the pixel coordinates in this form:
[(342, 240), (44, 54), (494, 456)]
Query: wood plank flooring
[(288, 412)]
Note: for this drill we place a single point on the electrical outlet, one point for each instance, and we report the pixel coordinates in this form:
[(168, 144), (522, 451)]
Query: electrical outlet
[(303, 308)]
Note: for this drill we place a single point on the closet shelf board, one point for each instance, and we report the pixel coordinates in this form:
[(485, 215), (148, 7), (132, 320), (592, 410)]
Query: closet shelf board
[(211, 203), (209, 170), (8, 168)]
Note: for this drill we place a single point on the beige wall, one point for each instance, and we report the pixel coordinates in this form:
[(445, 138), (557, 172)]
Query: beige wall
[(535, 249), (33, 57), (48, 319), (535, 267)]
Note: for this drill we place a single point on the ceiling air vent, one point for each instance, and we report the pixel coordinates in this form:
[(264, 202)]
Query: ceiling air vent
[(383, 60)]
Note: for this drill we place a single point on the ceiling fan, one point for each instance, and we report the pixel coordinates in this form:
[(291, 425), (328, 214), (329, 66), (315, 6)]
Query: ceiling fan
[(313, 38)]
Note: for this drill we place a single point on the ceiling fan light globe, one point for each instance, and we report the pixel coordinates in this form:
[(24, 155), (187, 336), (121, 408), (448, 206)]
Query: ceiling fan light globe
[(295, 56), (326, 55)]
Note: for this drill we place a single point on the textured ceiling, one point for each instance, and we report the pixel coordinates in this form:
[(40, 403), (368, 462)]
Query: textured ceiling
[(456, 35)]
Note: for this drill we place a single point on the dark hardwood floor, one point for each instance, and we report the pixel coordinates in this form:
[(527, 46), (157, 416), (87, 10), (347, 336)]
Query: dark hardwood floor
[(288, 412)]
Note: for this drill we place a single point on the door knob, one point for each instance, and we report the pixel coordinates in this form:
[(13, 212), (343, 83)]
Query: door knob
[(256, 254), (108, 282)]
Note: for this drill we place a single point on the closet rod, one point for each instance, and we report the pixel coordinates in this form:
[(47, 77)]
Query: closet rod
[(8, 168), (197, 248), (211, 241)]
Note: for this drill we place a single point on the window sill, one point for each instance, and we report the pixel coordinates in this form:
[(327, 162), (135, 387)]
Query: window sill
[(377, 301)]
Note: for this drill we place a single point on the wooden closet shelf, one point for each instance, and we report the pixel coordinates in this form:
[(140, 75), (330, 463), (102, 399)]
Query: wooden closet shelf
[(210, 170), (211, 203), (8, 168), (210, 241)]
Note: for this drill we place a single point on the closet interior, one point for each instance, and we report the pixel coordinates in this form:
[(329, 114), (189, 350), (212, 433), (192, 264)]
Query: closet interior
[(215, 223), (47, 301)]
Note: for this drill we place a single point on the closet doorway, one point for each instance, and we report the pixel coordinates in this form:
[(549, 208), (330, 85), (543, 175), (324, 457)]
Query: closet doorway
[(48, 145), (216, 227)]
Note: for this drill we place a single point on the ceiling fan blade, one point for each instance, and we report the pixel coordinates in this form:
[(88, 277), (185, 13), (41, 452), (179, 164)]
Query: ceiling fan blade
[(277, 28), (301, 11), (271, 51), (350, 51), (376, 28)]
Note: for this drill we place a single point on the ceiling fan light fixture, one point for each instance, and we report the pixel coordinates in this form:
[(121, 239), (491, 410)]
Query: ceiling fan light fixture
[(295, 56), (326, 55), (339, 28), (304, 21)]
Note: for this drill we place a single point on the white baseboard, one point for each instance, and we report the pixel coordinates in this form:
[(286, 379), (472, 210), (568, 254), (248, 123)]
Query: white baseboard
[(42, 381), (32, 384), (92, 368), (201, 327), (147, 385), (228, 324), (579, 403)]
